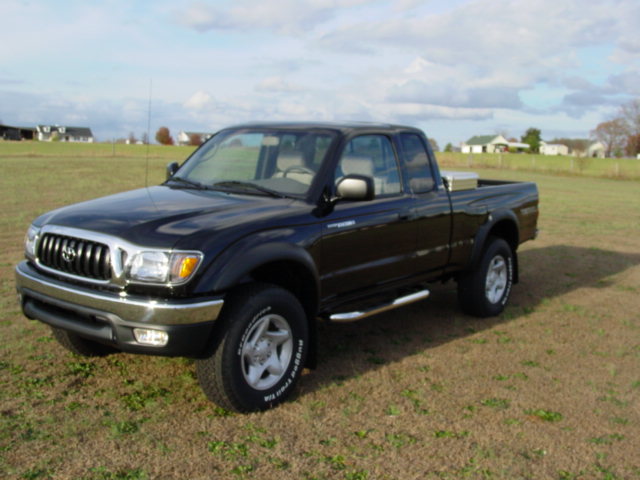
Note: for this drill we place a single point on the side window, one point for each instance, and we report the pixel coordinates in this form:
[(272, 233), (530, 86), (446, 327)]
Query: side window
[(416, 160), (371, 155)]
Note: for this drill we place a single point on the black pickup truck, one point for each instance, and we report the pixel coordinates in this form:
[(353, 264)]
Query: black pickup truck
[(260, 232)]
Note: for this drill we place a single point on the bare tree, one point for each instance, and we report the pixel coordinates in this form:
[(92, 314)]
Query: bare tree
[(630, 113), (612, 134), (633, 145)]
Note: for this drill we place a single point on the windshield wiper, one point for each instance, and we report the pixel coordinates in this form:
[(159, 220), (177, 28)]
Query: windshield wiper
[(235, 184), (188, 183)]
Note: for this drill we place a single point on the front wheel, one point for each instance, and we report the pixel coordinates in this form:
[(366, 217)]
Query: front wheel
[(484, 292), (261, 350)]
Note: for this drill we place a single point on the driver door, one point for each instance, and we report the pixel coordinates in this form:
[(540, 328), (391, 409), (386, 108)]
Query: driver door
[(365, 243)]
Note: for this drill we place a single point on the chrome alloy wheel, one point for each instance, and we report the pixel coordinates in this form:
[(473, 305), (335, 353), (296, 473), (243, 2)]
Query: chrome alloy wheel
[(266, 352), (496, 282)]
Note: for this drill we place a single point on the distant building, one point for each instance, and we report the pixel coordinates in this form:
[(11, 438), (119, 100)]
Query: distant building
[(491, 144), (47, 133), (553, 149), (596, 150), (7, 132), (184, 138)]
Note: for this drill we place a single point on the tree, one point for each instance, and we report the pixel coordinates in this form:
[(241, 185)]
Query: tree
[(132, 139), (195, 139), (532, 137), (434, 145), (145, 138), (163, 136), (613, 135), (630, 114), (632, 148), (448, 147)]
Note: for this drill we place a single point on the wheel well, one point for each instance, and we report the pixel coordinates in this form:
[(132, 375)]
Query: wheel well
[(507, 230), (300, 282), (292, 277)]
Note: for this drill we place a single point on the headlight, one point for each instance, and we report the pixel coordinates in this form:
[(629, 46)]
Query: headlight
[(30, 240), (164, 267)]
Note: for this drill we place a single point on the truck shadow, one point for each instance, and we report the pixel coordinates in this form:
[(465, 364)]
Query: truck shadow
[(352, 349)]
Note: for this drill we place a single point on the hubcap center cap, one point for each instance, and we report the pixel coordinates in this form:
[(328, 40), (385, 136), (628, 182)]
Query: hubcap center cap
[(261, 351)]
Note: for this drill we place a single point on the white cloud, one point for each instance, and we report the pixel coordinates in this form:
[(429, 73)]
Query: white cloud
[(459, 66), (285, 16), (199, 101)]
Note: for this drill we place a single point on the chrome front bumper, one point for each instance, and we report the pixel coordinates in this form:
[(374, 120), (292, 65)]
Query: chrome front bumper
[(30, 283), (112, 319)]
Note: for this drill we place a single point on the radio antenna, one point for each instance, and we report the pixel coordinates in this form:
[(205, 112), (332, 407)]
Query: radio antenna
[(146, 168)]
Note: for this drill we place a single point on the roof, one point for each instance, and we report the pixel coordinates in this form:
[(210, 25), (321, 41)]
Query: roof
[(79, 131), (481, 139), (341, 126), (75, 131), (202, 134)]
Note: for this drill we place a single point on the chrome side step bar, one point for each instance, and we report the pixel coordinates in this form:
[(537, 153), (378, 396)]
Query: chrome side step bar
[(398, 302)]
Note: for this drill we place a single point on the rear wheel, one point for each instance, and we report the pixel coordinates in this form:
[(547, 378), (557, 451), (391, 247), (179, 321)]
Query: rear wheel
[(80, 346), (484, 292), (261, 350)]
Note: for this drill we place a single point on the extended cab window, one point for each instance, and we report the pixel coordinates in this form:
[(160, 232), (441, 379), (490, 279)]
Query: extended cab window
[(416, 160), (373, 156)]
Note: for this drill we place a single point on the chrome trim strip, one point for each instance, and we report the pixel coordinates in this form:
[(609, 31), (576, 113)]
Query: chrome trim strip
[(398, 302), (127, 307)]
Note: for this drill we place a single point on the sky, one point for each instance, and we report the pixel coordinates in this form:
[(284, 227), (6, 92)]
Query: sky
[(454, 68)]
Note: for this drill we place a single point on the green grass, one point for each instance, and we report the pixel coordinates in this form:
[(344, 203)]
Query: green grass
[(548, 390), (619, 168), (91, 150)]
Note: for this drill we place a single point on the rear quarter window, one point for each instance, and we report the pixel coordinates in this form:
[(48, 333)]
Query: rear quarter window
[(417, 164)]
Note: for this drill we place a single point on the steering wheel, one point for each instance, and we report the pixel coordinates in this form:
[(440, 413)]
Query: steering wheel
[(298, 168)]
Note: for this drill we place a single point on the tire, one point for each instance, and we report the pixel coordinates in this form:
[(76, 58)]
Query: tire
[(485, 291), (260, 350), (81, 346)]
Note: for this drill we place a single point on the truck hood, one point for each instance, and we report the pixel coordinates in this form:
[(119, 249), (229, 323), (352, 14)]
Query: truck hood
[(160, 216)]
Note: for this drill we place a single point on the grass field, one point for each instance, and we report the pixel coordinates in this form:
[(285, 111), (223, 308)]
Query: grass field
[(619, 168), (548, 390)]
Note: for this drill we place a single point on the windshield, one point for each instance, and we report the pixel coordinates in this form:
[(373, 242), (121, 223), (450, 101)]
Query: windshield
[(260, 161)]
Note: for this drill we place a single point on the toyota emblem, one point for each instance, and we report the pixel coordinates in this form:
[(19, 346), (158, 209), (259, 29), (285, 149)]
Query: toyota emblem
[(69, 254)]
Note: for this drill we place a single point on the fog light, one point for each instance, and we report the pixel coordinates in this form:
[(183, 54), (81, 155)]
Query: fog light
[(155, 338)]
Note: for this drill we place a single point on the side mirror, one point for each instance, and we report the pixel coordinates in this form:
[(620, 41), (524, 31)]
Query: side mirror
[(355, 187), (172, 168)]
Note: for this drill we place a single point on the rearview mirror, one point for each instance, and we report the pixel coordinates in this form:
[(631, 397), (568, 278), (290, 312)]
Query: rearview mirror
[(171, 169), (355, 187)]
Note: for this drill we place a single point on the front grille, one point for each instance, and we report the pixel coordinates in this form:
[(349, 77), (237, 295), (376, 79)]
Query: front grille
[(76, 256)]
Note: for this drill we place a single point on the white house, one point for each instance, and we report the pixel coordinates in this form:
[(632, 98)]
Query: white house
[(596, 150), (553, 149), (184, 138), (485, 144), (47, 133), (491, 144)]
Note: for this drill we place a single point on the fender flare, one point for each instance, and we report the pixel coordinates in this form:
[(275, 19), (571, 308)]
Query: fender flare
[(229, 270), (484, 232), (236, 264)]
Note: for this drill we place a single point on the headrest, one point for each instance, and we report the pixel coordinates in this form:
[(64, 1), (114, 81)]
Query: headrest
[(289, 159), (357, 165)]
